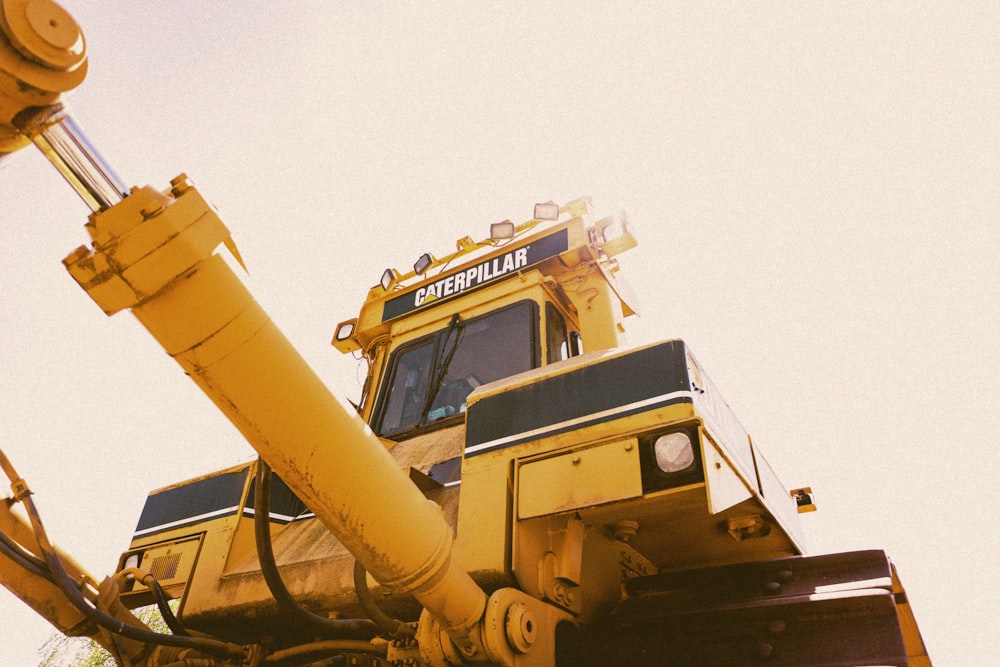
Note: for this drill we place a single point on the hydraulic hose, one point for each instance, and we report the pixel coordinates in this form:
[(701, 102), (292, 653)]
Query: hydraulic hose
[(341, 628), (159, 596), (325, 648), (204, 317), (391, 626), (24, 558), (71, 588)]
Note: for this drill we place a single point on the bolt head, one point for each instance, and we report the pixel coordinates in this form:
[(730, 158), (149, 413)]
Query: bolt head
[(521, 628)]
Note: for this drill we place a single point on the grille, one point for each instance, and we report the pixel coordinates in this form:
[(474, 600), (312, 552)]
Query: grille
[(165, 567)]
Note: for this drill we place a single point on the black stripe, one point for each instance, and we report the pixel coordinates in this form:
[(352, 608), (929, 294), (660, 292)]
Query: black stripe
[(604, 385), (210, 494), (283, 501), (582, 424)]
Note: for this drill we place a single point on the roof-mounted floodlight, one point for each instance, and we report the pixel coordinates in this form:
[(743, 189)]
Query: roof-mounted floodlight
[(614, 234), (423, 263), (343, 336), (547, 211), (500, 231), (345, 330), (388, 279)]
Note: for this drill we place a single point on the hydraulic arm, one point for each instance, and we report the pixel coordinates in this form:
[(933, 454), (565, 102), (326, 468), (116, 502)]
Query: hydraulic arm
[(153, 253), (612, 507)]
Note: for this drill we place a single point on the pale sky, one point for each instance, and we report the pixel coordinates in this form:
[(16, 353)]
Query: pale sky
[(815, 187)]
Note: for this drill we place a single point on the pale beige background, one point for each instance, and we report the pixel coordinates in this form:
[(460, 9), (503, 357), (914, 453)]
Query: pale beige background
[(815, 187)]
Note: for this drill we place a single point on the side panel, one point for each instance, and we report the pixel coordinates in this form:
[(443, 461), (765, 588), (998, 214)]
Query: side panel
[(722, 422), (603, 390), (579, 479)]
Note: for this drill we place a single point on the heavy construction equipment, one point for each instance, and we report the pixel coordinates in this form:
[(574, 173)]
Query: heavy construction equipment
[(515, 487)]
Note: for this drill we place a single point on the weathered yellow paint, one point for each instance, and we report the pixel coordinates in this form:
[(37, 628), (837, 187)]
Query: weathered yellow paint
[(39, 594), (580, 478), (552, 522), (586, 275), (205, 318), (41, 57)]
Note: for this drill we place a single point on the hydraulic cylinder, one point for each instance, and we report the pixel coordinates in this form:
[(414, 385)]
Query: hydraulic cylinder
[(153, 253)]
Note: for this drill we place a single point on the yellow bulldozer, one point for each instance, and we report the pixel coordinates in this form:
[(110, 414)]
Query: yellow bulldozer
[(514, 487)]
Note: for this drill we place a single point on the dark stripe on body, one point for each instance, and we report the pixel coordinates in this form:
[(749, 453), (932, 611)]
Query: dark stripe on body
[(605, 390)]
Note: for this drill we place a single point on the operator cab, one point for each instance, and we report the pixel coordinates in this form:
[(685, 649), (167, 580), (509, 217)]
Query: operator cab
[(528, 296), (428, 379)]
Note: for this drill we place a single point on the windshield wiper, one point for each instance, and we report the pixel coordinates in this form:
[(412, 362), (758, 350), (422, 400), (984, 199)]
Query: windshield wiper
[(438, 371)]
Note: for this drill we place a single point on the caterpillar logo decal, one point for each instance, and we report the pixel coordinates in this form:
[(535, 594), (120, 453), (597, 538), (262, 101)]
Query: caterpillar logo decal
[(477, 275)]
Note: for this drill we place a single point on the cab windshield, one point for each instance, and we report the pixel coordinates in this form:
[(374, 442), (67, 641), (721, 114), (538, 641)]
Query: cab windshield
[(429, 379)]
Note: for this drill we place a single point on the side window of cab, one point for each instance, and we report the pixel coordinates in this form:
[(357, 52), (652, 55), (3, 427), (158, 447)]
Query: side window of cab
[(560, 342)]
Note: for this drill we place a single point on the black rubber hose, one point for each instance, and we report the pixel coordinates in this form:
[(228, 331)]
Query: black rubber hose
[(22, 557), (391, 626), (165, 611), (162, 603), (343, 628), (71, 588), (159, 597), (331, 648)]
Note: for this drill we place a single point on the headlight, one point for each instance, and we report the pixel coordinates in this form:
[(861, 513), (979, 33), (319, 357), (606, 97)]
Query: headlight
[(670, 459), (673, 452), (132, 560)]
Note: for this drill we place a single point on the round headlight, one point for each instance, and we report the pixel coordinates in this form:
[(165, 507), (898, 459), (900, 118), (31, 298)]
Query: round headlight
[(673, 452)]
